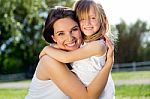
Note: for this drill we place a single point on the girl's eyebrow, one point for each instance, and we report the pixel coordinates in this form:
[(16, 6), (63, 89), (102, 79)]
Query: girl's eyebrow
[(92, 15)]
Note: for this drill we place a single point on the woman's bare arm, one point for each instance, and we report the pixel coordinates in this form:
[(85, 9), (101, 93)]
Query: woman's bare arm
[(102, 77)]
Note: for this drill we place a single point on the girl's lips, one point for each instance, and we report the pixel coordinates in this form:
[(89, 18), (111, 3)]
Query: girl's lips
[(88, 28)]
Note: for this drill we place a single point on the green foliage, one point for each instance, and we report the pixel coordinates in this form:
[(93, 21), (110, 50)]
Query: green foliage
[(12, 65), (130, 41), (21, 33), (20, 17), (144, 52)]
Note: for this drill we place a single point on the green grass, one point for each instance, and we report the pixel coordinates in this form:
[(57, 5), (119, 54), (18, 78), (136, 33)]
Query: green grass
[(140, 91), (133, 92), (12, 93), (122, 92), (131, 75)]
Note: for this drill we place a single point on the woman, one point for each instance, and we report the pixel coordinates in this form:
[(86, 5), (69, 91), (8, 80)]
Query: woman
[(53, 79), (88, 60)]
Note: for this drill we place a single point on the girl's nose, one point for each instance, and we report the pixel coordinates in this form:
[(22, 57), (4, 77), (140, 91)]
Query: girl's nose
[(87, 21)]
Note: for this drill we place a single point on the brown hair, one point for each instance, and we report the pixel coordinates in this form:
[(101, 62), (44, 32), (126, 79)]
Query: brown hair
[(82, 8), (54, 15)]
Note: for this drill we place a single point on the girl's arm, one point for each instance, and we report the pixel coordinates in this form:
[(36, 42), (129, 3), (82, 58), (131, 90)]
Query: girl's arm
[(69, 83), (93, 48)]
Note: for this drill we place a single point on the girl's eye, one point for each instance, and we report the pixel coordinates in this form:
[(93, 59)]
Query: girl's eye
[(93, 18), (82, 19)]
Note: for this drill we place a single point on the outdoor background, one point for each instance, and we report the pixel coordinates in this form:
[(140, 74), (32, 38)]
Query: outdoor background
[(21, 24)]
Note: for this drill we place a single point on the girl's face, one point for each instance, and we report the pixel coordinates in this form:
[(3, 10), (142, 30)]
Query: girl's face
[(90, 24), (67, 34)]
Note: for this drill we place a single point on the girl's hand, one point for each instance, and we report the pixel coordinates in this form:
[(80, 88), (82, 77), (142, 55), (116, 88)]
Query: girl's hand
[(55, 46), (43, 52), (110, 52), (47, 48)]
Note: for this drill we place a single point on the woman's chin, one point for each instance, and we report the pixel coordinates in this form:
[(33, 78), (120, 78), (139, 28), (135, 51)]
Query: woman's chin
[(71, 48)]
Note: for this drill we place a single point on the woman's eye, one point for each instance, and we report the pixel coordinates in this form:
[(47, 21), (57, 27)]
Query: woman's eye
[(75, 29), (60, 34)]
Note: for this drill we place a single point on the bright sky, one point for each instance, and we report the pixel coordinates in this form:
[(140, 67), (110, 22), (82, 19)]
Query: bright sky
[(128, 10)]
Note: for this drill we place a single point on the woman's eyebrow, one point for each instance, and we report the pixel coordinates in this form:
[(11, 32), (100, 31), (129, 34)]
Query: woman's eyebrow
[(59, 32), (75, 26), (63, 31)]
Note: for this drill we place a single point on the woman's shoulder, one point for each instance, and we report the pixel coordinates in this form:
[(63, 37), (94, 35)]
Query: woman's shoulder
[(46, 61), (44, 58)]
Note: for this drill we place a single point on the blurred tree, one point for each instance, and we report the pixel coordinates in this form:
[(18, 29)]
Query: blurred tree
[(129, 41), (144, 52), (20, 33), (52, 3)]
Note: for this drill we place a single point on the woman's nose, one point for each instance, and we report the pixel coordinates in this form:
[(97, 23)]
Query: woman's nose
[(70, 37)]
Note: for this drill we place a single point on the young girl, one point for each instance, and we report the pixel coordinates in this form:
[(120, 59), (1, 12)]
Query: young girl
[(90, 58)]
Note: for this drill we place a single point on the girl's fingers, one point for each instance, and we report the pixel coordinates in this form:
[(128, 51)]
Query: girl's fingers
[(108, 42), (110, 52), (42, 53)]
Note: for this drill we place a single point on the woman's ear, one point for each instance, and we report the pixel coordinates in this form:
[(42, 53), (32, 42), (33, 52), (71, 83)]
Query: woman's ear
[(53, 38)]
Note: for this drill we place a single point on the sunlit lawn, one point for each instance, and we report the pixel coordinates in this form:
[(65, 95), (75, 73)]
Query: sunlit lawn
[(12, 93), (122, 92), (131, 75), (133, 92), (140, 91)]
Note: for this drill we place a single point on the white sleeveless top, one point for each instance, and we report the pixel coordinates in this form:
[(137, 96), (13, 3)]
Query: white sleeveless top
[(44, 89), (87, 69)]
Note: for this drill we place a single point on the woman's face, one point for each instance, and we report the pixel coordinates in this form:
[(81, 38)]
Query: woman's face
[(67, 34), (90, 24)]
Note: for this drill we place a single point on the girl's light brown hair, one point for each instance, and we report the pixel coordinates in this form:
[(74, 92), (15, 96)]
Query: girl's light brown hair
[(82, 8)]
